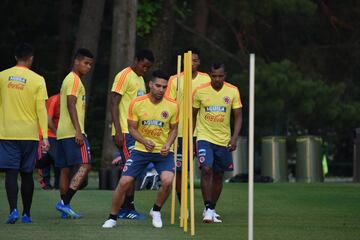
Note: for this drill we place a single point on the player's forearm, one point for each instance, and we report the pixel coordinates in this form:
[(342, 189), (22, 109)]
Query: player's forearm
[(172, 135), (42, 117), (136, 135), (237, 122), (194, 117), (74, 116), (115, 112)]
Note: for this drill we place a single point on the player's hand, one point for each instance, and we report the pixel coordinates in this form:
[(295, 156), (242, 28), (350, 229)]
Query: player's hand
[(116, 161), (232, 144), (119, 140), (165, 150), (79, 138), (149, 145), (45, 145)]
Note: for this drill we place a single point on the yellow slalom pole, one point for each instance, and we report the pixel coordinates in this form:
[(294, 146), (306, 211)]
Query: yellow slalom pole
[(173, 193), (191, 156), (184, 154), (185, 142)]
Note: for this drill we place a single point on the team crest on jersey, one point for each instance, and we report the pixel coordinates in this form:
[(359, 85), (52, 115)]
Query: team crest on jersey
[(165, 114), (140, 93), (227, 100)]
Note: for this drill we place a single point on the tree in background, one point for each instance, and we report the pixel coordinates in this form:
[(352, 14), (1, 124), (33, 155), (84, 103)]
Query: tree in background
[(122, 55)]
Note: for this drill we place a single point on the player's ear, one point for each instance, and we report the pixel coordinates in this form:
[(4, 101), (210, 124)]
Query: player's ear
[(151, 84)]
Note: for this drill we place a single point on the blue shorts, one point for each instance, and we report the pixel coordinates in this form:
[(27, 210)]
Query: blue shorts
[(219, 158), (18, 154), (69, 154), (128, 146), (179, 153), (138, 161)]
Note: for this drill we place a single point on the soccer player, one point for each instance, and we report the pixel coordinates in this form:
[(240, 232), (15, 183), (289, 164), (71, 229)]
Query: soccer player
[(215, 101), (128, 84), (22, 111), (73, 148), (198, 78), (53, 110), (152, 121)]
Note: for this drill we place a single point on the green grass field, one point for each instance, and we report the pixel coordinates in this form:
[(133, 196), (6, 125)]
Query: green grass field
[(282, 211)]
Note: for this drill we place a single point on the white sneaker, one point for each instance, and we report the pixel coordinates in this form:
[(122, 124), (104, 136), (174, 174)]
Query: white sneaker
[(208, 216), (110, 223), (215, 214), (156, 218)]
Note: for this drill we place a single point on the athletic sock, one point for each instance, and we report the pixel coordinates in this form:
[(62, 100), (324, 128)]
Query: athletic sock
[(179, 196), (113, 217), (156, 208), (62, 196), (131, 205), (12, 188), (208, 205), (27, 191), (68, 196)]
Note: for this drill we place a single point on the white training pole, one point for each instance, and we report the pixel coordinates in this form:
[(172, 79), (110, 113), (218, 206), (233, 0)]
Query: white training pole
[(251, 147)]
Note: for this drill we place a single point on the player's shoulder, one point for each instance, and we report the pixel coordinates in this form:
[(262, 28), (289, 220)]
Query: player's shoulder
[(170, 101), (231, 87), (203, 74), (124, 73), (140, 99), (202, 87), (175, 76)]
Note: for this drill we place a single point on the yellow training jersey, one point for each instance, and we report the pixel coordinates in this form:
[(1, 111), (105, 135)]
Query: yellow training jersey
[(153, 120), (171, 92), (129, 85), (73, 86), (20, 88), (213, 122)]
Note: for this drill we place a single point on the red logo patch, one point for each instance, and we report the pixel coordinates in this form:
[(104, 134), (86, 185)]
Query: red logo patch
[(227, 100), (201, 159), (125, 168), (165, 114), (178, 164)]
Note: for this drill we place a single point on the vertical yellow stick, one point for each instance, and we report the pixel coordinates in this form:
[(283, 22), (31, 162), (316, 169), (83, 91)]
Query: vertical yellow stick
[(184, 153), (191, 156), (185, 150), (173, 193)]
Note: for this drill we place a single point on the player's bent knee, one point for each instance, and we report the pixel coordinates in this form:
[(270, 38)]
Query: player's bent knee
[(206, 170)]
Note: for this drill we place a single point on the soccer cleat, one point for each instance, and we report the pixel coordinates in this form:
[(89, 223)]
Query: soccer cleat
[(110, 223), (13, 217), (26, 219), (130, 214), (122, 213), (66, 209), (208, 216), (156, 218), (215, 214), (64, 216)]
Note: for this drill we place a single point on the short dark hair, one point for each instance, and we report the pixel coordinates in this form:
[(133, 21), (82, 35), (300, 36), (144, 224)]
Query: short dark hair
[(145, 54), (159, 74), (217, 65), (194, 51), (24, 51), (83, 52)]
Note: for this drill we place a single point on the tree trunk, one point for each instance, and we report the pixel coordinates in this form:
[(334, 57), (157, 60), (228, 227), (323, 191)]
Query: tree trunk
[(162, 35), (122, 55), (65, 40), (201, 16), (88, 33)]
